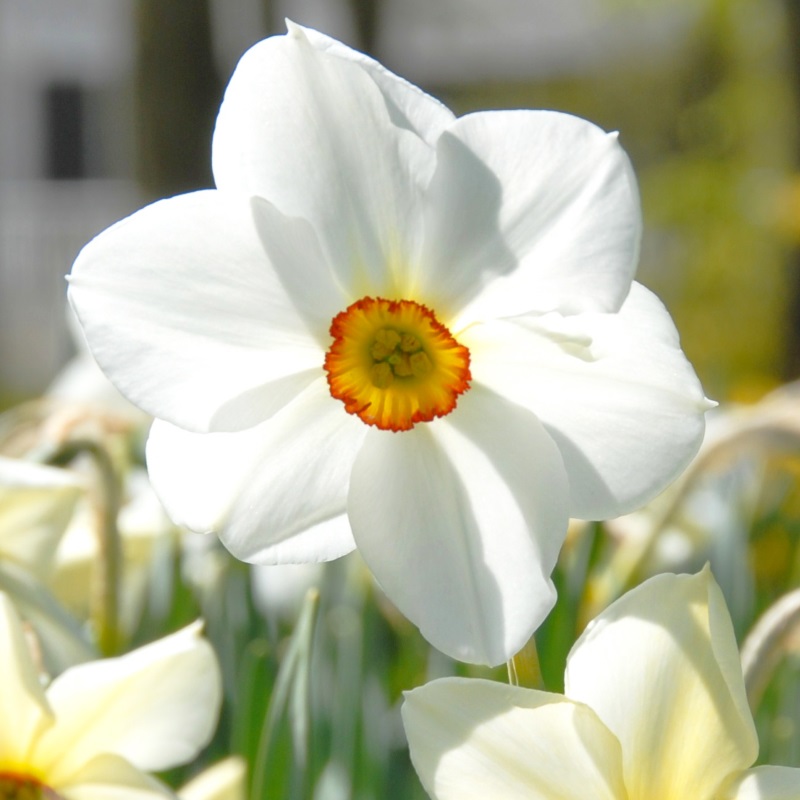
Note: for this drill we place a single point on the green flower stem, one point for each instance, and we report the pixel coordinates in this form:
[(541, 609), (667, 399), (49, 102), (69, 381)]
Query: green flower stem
[(524, 669), (291, 697), (105, 601)]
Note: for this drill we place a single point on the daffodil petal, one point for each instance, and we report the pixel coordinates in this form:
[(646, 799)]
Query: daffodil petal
[(225, 780), (155, 706), (461, 520), (614, 391), (764, 783), (474, 739), (275, 493), (350, 160), (409, 107), (23, 705), (293, 247), (110, 777), (529, 210), (661, 668), (186, 315)]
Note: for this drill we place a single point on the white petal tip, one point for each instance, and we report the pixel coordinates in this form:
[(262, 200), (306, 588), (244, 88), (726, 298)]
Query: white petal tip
[(295, 31), (196, 628)]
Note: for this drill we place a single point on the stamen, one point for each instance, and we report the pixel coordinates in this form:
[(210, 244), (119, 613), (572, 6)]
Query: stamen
[(393, 364)]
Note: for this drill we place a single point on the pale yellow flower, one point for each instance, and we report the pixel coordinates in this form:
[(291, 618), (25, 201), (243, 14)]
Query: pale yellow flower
[(36, 505), (98, 727), (654, 709)]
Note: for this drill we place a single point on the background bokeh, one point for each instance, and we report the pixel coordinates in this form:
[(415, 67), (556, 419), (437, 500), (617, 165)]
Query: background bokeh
[(107, 104)]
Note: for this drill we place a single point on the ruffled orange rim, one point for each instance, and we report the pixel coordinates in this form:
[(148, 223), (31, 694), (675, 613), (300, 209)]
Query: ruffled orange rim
[(393, 364)]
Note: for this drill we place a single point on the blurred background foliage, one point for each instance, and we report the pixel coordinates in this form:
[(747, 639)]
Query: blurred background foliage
[(708, 113), (313, 685), (713, 137)]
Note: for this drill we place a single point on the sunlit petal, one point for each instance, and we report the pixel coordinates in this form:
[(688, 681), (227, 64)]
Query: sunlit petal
[(661, 669), (461, 522), (274, 494), (293, 248), (476, 739), (110, 777), (155, 706), (184, 312), (529, 210), (350, 160), (225, 780), (614, 391), (408, 106)]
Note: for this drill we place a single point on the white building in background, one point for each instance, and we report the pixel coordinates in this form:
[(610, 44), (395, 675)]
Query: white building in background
[(66, 112), (65, 165), (444, 42)]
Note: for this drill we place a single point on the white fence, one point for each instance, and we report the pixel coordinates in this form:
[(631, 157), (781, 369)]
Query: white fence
[(43, 225)]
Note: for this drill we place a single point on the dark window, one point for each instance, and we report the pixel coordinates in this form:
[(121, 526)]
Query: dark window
[(65, 156)]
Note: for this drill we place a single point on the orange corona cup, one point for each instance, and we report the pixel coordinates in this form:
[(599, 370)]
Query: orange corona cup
[(393, 364)]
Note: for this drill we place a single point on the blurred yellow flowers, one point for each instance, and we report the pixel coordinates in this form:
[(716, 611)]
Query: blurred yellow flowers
[(95, 729), (654, 709)]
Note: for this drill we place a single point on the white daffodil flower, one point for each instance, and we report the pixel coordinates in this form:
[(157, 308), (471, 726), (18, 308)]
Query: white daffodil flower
[(654, 708), (391, 329), (97, 726)]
